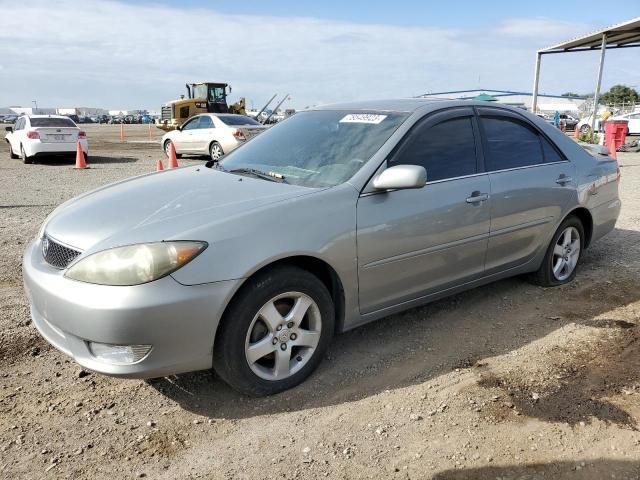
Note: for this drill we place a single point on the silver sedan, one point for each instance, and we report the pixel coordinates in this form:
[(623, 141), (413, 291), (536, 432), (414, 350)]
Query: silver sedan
[(331, 219)]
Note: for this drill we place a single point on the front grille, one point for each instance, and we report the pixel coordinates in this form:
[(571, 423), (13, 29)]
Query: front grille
[(56, 254)]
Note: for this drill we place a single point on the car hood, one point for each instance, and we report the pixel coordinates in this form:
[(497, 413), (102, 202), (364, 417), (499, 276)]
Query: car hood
[(168, 205)]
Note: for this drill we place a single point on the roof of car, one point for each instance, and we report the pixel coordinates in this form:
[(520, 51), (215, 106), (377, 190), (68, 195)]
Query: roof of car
[(407, 105), (46, 116)]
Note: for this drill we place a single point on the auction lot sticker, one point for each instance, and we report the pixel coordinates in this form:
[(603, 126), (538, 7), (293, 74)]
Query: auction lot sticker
[(363, 118)]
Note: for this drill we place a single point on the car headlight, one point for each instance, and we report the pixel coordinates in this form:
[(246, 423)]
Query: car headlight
[(135, 264)]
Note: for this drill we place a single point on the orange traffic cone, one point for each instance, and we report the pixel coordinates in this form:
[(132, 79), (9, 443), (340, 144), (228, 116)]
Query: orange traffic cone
[(80, 161), (612, 150), (576, 132), (159, 166), (122, 133), (173, 161)]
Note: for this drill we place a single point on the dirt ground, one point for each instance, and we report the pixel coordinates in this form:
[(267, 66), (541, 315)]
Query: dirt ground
[(507, 381)]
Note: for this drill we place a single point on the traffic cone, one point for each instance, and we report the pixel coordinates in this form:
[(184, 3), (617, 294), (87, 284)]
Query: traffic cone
[(80, 161), (122, 133), (173, 161), (159, 166), (612, 150), (576, 132)]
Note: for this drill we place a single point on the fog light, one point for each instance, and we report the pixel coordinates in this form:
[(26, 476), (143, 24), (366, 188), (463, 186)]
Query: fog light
[(121, 354)]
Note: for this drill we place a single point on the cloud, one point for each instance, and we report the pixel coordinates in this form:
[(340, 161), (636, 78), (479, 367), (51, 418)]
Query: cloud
[(539, 28), (117, 55)]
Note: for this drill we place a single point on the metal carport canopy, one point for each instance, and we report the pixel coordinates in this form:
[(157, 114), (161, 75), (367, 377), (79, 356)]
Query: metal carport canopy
[(622, 35)]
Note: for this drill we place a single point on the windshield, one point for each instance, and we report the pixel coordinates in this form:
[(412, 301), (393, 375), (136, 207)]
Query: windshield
[(316, 148), (235, 120)]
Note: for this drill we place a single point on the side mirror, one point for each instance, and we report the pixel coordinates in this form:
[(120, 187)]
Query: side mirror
[(9, 129), (401, 177)]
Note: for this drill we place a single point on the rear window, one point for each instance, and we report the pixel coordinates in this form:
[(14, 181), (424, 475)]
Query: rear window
[(235, 120), (52, 122)]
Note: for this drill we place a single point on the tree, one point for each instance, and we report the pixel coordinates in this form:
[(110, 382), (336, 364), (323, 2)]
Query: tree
[(620, 94), (571, 95)]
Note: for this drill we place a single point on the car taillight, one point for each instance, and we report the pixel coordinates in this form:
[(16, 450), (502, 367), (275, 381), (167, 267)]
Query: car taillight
[(239, 135), (33, 134), (82, 134)]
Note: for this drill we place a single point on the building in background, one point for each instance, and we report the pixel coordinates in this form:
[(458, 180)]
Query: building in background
[(546, 103)]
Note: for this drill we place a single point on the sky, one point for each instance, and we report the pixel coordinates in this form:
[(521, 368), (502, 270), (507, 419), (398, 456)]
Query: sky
[(139, 53)]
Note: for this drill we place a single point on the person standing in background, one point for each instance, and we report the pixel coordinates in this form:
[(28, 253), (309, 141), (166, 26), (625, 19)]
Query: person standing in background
[(603, 118), (556, 119)]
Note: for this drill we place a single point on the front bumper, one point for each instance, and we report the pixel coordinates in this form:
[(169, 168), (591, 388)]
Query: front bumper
[(178, 321)]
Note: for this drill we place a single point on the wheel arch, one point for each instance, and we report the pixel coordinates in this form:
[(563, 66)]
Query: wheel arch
[(211, 143), (584, 215), (315, 266)]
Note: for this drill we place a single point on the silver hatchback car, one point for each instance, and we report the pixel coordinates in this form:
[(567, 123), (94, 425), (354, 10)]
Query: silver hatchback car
[(331, 219)]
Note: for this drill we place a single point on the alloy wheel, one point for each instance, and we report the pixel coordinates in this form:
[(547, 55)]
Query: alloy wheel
[(566, 253), (215, 151), (283, 336)]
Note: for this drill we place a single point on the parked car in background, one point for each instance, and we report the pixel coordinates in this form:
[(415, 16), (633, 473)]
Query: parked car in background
[(34, 136), (634, 122), (212, 134), (73, 117), (9, 118), (567, 122), (331, 219)]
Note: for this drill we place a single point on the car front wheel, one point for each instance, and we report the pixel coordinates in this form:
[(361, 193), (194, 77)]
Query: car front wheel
[(167, 147), (275, 332), (563, 254)]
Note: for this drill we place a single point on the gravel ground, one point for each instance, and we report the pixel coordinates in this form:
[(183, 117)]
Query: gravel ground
[(508, 381)]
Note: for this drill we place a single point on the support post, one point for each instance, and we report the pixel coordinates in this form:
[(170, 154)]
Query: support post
[(536, 81), (596, 96)]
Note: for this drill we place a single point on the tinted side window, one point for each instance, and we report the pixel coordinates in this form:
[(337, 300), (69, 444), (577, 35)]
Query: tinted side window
[(510, 144), (191, 124), (551, 154), (446, 150), (205, 122)]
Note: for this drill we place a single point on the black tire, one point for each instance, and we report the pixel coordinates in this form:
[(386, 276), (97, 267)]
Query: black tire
[(11, 154), (215, 151), (165, 148), (544, 276), (230, 361), (23, 155)]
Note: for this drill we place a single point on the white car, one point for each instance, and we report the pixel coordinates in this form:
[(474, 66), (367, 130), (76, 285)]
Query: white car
[(633, 119), (34, 136), (213, 134)]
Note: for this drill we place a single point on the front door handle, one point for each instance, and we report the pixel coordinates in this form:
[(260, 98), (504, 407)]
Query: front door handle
[(563, 180), (477, 197)]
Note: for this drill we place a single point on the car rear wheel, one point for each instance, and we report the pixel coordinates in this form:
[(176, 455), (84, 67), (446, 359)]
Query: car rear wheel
[(275, 332), (215, 151), (563, 254), (23, 155), (11, 154)]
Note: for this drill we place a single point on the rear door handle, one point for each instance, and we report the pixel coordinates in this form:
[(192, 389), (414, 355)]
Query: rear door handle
[(477, 197), (563, 180)]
